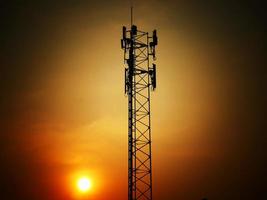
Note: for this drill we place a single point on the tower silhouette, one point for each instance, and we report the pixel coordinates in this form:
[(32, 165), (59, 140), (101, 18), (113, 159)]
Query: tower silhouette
[(140, 78)]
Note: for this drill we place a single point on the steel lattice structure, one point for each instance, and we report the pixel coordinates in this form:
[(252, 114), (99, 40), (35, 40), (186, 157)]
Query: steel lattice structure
[(140, 78)]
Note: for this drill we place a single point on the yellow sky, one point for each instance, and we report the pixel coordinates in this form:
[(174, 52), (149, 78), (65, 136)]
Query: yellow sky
[(86, 109)]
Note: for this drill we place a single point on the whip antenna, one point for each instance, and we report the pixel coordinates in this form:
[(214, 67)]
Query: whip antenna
[(131, 2)]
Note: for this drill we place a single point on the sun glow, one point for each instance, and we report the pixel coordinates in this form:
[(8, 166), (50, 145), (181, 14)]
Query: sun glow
[(84, 184)]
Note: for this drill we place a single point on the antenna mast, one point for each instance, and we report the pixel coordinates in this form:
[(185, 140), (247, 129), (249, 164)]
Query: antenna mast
[(131, 15), (140, 78), (131, 1)]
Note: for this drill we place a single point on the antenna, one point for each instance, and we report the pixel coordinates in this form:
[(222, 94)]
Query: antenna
[(131, 15), (131, 4)]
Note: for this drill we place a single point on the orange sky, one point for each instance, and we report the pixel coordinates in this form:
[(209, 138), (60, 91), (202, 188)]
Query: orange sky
[(64, 112)]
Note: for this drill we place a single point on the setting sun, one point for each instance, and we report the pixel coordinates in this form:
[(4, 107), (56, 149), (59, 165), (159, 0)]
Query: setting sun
[(84, 184)]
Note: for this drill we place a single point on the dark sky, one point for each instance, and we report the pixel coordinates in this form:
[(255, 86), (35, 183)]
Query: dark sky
[(60, 61)]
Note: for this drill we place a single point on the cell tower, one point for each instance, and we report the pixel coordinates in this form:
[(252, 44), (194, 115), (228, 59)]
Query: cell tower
[(140, 78)]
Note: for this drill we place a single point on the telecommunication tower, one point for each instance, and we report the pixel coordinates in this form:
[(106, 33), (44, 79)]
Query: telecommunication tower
[(140, 78)]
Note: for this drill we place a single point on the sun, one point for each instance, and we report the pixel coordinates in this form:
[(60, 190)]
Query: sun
[(84, 184)]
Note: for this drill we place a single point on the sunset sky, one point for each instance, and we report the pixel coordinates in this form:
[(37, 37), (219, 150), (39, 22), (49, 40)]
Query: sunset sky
[(63, 112)]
